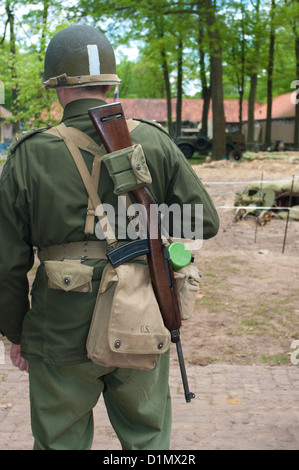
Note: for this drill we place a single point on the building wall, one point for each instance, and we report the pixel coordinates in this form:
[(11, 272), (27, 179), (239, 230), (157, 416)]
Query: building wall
[(281, 129), (5, 132)]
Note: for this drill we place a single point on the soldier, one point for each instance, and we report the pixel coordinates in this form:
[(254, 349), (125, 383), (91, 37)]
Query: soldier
[(43, 205)]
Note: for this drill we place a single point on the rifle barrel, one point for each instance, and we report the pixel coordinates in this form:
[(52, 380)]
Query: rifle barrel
[(188, 395)]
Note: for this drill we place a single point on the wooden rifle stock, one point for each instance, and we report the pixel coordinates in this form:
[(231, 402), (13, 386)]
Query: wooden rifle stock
[(110, 123)]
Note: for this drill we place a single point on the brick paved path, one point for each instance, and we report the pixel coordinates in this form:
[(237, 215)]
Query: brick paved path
[(236, 407)]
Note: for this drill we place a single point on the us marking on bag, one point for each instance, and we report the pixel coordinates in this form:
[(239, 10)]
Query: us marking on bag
[(144, 329), (118, 336)]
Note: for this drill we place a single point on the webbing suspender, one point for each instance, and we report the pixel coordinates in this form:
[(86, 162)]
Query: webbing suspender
[(75, 140)]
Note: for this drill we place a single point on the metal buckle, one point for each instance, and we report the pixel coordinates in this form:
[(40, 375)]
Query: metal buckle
[(111, 247)]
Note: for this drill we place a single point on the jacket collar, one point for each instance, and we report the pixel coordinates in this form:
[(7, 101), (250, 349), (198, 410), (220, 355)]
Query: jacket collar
[(80, 107)]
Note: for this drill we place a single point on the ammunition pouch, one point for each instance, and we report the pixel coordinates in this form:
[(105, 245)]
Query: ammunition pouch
[(127, 328), (69, 275), (128, 169)]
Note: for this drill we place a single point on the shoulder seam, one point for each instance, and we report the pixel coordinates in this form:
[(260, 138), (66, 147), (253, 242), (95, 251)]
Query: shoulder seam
[(24, 136), (154, 124)]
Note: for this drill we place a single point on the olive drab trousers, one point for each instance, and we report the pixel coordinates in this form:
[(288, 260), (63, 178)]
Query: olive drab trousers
[(62, 398)]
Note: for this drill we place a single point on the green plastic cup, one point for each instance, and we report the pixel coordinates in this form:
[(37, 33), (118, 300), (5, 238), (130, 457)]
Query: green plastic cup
[(180, 255)]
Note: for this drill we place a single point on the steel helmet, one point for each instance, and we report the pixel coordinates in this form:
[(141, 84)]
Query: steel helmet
[(79, 56)]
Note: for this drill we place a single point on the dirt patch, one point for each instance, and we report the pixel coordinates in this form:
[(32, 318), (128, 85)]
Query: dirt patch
[(248, 306)]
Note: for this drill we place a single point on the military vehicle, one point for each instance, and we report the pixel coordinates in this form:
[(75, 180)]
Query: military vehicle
[(193, 141), (265, 200)]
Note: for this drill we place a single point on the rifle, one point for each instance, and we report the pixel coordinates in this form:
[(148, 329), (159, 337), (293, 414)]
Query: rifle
[(110, 123)]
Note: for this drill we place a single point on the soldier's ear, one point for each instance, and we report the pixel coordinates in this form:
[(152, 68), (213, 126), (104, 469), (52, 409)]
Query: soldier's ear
[(65, 95)]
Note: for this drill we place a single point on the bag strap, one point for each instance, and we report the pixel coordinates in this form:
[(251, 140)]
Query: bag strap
[(69, 135), (84, 142), (90, 212), (75, 139)]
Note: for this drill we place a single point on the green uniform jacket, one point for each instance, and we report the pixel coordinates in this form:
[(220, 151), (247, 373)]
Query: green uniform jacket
[(43, 202)]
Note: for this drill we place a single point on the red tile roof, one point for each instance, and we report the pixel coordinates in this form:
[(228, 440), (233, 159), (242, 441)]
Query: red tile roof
[(4, 113), (282, 107), (155, 109)]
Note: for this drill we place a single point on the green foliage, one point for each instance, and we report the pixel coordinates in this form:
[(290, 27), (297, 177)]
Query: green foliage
[(156, 27), (5, 72), (140, 79), (24, 34)]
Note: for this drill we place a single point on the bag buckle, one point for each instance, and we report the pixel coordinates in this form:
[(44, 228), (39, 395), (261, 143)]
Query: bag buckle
[(111, 247)]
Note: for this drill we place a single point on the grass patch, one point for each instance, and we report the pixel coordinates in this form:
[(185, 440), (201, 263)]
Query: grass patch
[(276, 360), (197, 159)]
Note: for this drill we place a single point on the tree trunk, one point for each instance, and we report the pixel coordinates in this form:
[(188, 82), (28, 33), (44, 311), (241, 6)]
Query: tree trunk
[(242, 78), (168, 91), (269, 81), (179, 90), (157, 20), (251, 102), (206, 96), (13, 70), (253, 76), (44, 29), (296, 127), (218, 149), (241, 93), (206, 90)]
